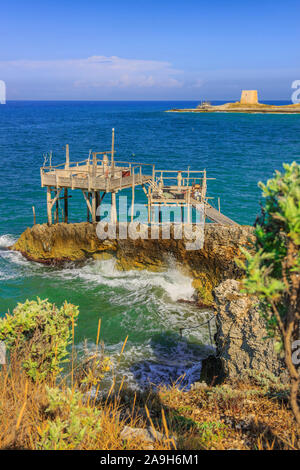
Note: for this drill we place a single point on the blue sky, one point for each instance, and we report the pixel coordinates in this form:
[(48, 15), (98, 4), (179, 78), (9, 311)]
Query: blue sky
[(132, 49)]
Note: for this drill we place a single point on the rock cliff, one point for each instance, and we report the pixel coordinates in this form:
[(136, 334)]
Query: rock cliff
[(241, 337), (207, 266)]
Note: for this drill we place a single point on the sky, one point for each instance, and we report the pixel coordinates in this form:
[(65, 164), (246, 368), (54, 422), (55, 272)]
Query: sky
[(149, 50)]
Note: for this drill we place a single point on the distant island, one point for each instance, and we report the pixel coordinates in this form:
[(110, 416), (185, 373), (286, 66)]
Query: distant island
[(248, 104)]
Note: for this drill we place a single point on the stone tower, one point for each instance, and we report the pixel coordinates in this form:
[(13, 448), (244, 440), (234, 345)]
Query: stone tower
[(249, 97)]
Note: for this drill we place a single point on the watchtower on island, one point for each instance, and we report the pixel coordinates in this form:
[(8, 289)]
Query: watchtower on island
[(249, 97)]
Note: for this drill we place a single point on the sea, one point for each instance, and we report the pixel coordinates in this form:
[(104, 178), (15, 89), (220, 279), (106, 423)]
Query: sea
[(167, 339)]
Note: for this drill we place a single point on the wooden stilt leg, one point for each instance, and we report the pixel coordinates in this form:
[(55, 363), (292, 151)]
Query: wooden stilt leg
[(113, 208), (66, 206), (97, 205), (56, 212), (93, 206), (49, 213), (87, 209)]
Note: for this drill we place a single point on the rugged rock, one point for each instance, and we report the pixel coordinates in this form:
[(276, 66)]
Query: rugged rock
[(241, 337), (207, 266), (148, 435)]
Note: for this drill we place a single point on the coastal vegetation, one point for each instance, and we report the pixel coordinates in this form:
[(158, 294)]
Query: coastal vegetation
[(273, 272), (67, 409), (53, 398)]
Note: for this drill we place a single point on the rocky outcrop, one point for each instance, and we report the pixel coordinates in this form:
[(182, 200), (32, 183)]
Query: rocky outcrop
[(241, 337), (147, 435), (208, 266)]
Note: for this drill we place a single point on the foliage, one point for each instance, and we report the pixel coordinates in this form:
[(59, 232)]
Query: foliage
[(39, 333), (272, 273), (73, 423)]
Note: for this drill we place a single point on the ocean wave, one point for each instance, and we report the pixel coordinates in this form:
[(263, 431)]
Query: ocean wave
[(7, 240), (165, 360), (173, 282)]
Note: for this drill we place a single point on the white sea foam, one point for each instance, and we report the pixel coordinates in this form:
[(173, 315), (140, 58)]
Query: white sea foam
[(155, 363), (7, 240), (174, 283)]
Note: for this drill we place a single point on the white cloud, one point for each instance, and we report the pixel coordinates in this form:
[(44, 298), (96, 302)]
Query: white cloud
[(97, 72)]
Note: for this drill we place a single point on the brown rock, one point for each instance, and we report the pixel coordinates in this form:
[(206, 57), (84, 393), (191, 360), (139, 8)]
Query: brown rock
[(241, 337), (208, 266)]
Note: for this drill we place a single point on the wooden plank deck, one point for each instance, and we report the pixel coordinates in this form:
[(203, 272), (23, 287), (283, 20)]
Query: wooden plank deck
[(214, 215)]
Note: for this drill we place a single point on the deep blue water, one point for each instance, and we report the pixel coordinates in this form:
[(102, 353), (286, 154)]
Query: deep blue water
[(237, 149)]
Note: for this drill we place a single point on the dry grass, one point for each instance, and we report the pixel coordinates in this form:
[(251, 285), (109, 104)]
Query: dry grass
[(226, 417), (26, 421), (68, 413), (222, 417)]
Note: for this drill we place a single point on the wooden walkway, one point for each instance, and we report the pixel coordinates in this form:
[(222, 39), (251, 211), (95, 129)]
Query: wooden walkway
[(213, 214), (100, 173)]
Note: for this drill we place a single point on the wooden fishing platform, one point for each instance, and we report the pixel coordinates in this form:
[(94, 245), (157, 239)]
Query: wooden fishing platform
[(100, 173)]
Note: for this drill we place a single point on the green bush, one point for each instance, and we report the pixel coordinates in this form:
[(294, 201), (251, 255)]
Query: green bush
[(70, 423), (38, 333), (273, 272)]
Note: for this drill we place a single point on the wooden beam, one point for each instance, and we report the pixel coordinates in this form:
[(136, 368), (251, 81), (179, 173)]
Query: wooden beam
[(67, 157), (49, 206), (113, 215), (149, 205), (34, 218), (113, 152), (133, 191), (56, 210), (66, 209), (89, 207), (93, 206), (53, 201)]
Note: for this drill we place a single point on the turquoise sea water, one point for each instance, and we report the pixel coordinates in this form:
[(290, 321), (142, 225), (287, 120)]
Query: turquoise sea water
[(236, 149)]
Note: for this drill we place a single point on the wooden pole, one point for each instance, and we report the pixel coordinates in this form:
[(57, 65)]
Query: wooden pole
[(113, 216), (87, 210), (133, 191), (56, 210), (97, 205), (49, 212), (113, 152), (219, 204), (34, 218), (67, 157), (94, 164), (66, 209), (149, 206), (93, 206)]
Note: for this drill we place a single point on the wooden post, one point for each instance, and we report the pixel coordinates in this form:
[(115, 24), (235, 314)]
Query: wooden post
[(113, 215), (56, 210), (133, 188), (97, 205), (203, 189), (94, 164), (67, 157), (66, 210), (87, 210), (188, 206), (219, 205), (93, 206), (149, 206), (49, 212), (34, 218), (112, 152)]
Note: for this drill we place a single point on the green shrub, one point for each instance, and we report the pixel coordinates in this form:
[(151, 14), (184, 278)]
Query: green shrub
[(70, 421), (273, 272), (38, 333)]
